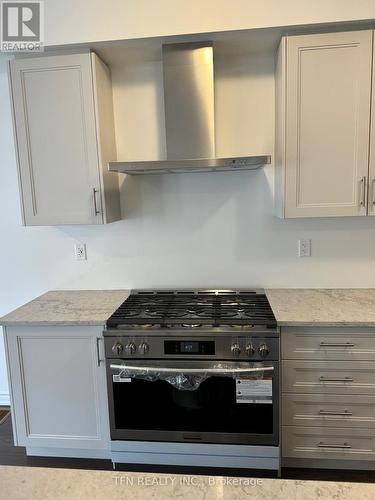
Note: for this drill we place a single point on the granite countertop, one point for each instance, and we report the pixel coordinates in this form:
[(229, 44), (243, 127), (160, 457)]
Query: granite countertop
[(323, 306), (67, 307), (34, 483), (291, 306)]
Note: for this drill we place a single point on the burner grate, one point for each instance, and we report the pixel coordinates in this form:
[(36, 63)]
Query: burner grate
[(193, 309)]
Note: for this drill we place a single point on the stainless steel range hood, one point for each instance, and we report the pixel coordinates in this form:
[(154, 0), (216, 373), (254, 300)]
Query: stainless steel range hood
[(188, 73)]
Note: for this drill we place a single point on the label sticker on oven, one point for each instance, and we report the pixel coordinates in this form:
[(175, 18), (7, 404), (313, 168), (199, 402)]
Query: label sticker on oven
[(118, 378), (254, 390)]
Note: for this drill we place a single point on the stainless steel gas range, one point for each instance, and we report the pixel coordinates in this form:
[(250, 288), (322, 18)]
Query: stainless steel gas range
[(193, 379)]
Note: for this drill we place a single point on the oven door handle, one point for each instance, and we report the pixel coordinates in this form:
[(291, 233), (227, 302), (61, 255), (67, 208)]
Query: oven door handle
[(191, 371)]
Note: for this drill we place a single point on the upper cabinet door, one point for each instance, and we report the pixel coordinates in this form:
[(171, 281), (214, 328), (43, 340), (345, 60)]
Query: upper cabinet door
[(327, 112), (57, 142)]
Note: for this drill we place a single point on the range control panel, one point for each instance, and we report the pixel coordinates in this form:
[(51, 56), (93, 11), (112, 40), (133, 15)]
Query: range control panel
[(252, 348), (202, 347)]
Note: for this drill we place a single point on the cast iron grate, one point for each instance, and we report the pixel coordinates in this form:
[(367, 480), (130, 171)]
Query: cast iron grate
[(191, 308)]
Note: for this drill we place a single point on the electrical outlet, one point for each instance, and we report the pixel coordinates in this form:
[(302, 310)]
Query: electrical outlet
[(304, 248), (80, 251)]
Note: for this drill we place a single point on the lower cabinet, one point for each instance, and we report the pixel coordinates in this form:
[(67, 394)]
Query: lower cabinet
[(328, 443), (327, 410), (58, 387), (328, 397)]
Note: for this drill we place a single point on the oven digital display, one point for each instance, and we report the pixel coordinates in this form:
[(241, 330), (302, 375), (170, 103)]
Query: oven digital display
[(189, 347)]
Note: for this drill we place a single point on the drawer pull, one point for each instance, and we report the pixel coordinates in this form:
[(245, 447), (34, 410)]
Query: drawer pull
[(344, 446), (337, 344), (327, 412), (343, 379)]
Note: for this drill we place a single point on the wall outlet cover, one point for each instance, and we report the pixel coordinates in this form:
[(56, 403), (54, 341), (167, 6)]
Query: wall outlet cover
[(304, 248), (80, 251)]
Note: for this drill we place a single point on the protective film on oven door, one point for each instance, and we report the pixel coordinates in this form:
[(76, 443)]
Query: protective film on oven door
[(226, 402)]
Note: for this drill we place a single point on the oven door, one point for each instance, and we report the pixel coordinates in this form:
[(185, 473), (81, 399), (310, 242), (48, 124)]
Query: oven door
[(194, 401)]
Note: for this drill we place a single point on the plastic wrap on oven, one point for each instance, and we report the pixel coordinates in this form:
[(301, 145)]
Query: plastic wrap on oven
[(190, 379)]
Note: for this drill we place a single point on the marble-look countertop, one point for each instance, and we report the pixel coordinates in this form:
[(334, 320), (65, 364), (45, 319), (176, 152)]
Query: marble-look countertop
[(67, 307), (291, 306), (34, 483), (323, 306)]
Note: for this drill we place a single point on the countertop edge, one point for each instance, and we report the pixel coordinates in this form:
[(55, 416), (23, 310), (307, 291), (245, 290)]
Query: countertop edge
[(53, 323), (352, 324)]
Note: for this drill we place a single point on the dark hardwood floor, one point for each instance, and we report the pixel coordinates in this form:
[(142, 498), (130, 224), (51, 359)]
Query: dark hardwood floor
[(14, 455)]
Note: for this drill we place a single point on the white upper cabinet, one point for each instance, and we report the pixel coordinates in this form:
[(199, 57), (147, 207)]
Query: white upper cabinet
[(63, 117), (323, 94)]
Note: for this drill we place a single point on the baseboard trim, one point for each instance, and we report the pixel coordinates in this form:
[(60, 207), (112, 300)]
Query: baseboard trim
[(196, 454), (4, 399)]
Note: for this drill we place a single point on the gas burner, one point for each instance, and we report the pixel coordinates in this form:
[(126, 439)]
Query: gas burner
[(241, 327), (142, 326), (151, 313), (199, 303), (186, 313), (237, 313), (153, 303), (131, 314), (238, 303), (196, 312)]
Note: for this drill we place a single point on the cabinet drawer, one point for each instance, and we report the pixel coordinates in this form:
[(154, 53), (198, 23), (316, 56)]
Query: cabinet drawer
[(334, 377), (330, 344), (326, 410), (323, 443)]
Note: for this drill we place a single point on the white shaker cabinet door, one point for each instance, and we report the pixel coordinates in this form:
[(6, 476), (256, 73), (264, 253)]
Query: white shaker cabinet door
[(55, 130), (327, 120), (58, 387)]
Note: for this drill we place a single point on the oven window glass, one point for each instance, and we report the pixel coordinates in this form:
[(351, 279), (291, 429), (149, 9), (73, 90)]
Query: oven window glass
[(145, 405)]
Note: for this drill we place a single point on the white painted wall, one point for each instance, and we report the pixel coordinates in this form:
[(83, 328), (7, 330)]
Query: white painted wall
[(74, 21)]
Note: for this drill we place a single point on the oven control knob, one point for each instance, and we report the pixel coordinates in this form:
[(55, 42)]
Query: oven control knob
[(130, 348), (144, 348), (250, 351), (236, 350), (117, 348), (263, 350)]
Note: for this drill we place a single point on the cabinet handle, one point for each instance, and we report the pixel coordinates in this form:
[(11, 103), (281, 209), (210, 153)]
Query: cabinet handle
[(363, 191), (327, 412), (96, 211), (98, 339), (373, 191), (343, 379), (344, 446), (337, 344)]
